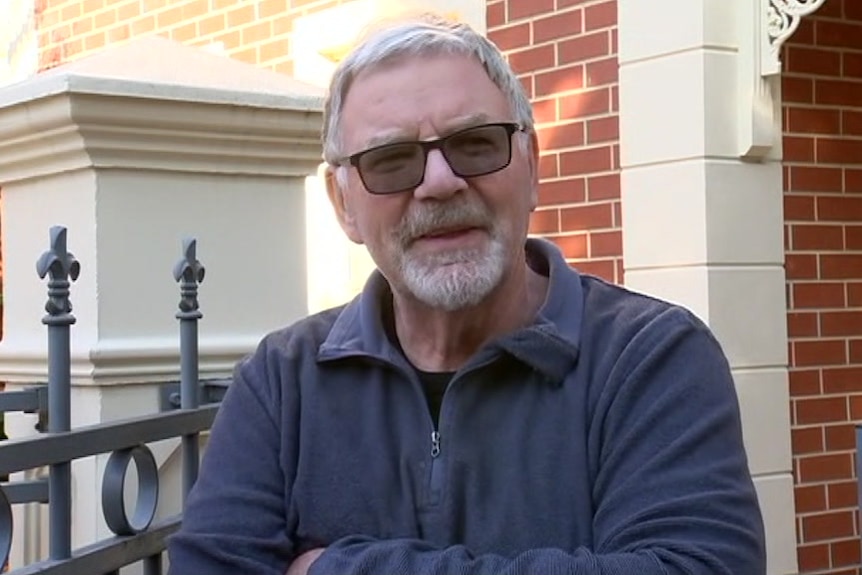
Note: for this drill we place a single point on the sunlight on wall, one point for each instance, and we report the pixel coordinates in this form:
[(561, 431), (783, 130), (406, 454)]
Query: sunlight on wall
[(19, 49), (337, 268)]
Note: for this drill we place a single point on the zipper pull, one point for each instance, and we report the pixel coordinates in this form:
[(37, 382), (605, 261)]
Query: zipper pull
[(435, 443)]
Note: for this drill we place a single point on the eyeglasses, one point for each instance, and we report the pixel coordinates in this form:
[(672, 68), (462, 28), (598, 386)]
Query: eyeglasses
[(398, 167)]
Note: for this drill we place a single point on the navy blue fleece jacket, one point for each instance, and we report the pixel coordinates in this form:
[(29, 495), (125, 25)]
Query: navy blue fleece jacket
[(602, 439)]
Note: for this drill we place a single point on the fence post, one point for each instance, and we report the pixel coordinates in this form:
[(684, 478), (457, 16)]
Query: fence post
[(189, 272), (60, 265)]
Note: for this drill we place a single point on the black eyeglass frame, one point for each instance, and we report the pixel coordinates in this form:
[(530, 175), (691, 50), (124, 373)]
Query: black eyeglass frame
[(436, 144)]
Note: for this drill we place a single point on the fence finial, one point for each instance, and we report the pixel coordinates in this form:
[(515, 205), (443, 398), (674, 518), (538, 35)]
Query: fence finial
[(189, 272), (61, 265)]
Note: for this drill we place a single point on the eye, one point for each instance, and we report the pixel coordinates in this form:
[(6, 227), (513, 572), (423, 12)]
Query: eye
[(474, 142), (389, 159)]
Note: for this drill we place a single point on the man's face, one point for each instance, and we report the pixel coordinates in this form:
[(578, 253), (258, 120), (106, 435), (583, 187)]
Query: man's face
[(450, 240)]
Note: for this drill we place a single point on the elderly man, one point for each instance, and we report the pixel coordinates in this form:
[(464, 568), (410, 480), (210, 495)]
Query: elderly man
[(481, 408)]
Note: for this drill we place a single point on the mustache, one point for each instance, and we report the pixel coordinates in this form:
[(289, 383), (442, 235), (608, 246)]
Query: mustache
[(431, 218)]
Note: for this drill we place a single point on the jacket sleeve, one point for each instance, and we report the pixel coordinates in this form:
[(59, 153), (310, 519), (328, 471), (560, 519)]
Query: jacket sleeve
[(234, 519), (672, 493)]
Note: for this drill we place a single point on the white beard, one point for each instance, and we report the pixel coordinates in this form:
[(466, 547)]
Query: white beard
[(455, 280)]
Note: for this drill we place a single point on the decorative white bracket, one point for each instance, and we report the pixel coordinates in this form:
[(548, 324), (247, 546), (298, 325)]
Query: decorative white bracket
[(782, 18), (764, 26)]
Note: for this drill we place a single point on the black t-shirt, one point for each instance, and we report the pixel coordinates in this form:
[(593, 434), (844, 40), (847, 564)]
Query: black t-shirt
[(434, 383)]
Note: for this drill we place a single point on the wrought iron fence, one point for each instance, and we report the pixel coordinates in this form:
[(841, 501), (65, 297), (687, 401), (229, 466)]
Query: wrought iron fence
[(188, 412)]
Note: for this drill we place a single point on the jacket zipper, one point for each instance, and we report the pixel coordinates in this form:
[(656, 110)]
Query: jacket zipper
[(436, 476), (435, 444), (435, 482)]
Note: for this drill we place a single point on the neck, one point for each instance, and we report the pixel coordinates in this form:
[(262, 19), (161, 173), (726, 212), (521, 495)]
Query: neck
[(437, 340)]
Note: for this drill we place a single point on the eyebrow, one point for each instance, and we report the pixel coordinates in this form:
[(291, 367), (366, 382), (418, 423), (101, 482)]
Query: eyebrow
[(398, 136), (468, 121), (391, 137)]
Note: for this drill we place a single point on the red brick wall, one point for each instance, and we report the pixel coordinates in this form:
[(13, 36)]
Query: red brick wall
[(565, 53), (254, 32), (822, 89)]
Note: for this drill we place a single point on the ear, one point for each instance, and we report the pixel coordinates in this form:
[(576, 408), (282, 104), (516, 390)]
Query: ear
[(533, 160), (344, 211)]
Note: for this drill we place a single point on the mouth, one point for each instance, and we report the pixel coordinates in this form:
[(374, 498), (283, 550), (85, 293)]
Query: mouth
[(447, 233), (449, 238)]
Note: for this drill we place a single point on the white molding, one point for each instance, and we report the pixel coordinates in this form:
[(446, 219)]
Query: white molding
[(781, 19), (127, 361), (81, 128)]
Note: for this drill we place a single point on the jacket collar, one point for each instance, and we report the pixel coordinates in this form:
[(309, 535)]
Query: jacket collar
[(550, 344)]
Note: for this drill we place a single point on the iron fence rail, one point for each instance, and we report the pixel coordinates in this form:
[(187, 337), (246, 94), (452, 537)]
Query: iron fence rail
[(50, 449), (32, 491), (28, 400), (109, 555)]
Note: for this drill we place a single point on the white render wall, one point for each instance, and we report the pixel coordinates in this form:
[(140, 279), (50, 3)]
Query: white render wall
[(704, 228)]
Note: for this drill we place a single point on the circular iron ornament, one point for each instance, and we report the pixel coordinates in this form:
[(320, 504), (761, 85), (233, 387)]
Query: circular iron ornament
[(113, 504), (5, 529)]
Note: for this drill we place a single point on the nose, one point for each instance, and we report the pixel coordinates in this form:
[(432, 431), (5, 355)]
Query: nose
[(440, 182)]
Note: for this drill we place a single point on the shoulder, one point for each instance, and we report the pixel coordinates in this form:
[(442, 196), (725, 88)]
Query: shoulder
[(624, 331), (620, 312), (296, 342), (305, 334), (282, 360), (647, 356), (600, 319)]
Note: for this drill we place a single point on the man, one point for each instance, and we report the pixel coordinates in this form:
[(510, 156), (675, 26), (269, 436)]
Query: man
[(481, 407)]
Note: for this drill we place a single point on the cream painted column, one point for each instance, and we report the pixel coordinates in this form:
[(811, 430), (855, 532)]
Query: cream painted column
[(338, 268), (133, 150), (702, 226)]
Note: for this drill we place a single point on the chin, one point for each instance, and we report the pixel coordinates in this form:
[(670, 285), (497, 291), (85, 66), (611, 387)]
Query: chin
[(454, 286)]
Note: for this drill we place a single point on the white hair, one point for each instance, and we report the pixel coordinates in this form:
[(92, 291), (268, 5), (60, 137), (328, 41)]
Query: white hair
[(426, 35)]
